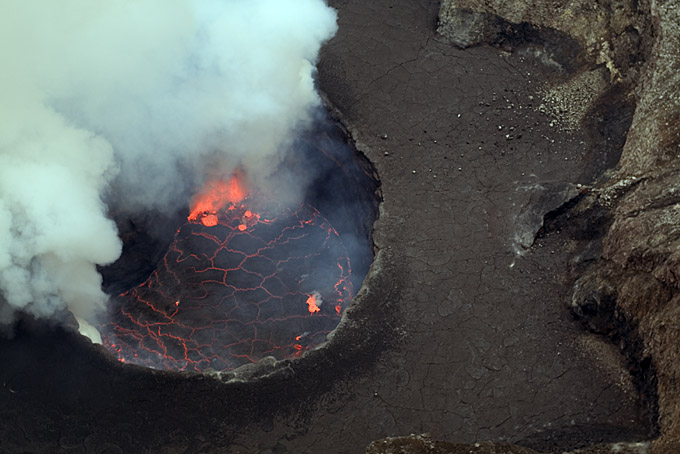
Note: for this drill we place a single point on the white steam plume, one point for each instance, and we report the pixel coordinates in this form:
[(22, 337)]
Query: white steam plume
[(134, 93)]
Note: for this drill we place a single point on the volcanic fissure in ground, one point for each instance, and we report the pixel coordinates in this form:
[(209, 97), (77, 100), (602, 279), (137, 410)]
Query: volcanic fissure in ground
[(246, 276)]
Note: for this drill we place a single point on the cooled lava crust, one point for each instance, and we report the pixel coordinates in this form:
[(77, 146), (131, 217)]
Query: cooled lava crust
[(235, 286)]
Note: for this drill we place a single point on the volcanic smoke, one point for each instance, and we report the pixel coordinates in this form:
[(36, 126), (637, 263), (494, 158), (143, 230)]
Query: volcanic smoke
[(135, 104)]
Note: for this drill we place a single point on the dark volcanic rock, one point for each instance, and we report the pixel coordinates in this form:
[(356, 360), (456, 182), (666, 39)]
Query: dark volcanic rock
[(542, 200), (608, 31), (631, 292), (423, 444)]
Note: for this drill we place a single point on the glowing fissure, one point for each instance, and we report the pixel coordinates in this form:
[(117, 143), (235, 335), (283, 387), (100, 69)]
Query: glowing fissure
[(259, 281)]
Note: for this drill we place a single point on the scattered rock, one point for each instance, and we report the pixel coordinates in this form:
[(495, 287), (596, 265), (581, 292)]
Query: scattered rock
[(423, 444)]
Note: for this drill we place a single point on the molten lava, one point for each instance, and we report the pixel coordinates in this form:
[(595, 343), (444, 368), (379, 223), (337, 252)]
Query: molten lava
[(242, 280), (312, 303), (209, 220), (214, 196)]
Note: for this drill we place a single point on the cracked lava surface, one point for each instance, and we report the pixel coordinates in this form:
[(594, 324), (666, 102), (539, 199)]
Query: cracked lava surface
[(236, 285)]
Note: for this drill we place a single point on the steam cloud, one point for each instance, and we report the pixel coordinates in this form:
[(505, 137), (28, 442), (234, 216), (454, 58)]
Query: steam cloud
[(122, 99)]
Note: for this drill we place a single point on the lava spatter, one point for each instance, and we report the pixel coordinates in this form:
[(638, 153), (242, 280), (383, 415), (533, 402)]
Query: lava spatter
[(215, 195), (237, 284), (313, 303)]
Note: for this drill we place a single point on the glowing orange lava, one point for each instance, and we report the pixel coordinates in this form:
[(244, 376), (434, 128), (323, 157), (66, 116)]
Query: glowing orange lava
[(209, 220), (215, 195), (241, 281), (311, 302)]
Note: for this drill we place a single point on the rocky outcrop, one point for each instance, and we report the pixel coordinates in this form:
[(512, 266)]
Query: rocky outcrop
[(423, 444), (609, 32), (642, 247), (631, 290), (653, 144)]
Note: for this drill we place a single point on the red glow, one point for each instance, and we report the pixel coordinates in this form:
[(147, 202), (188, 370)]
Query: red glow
[(215, 195), (209, 220), (311, 302), (250, 286)]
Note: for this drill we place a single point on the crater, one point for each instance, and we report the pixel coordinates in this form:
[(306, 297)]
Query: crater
[(255, 277)]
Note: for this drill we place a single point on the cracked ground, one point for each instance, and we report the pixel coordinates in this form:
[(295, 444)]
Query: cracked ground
[(459, 331)]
